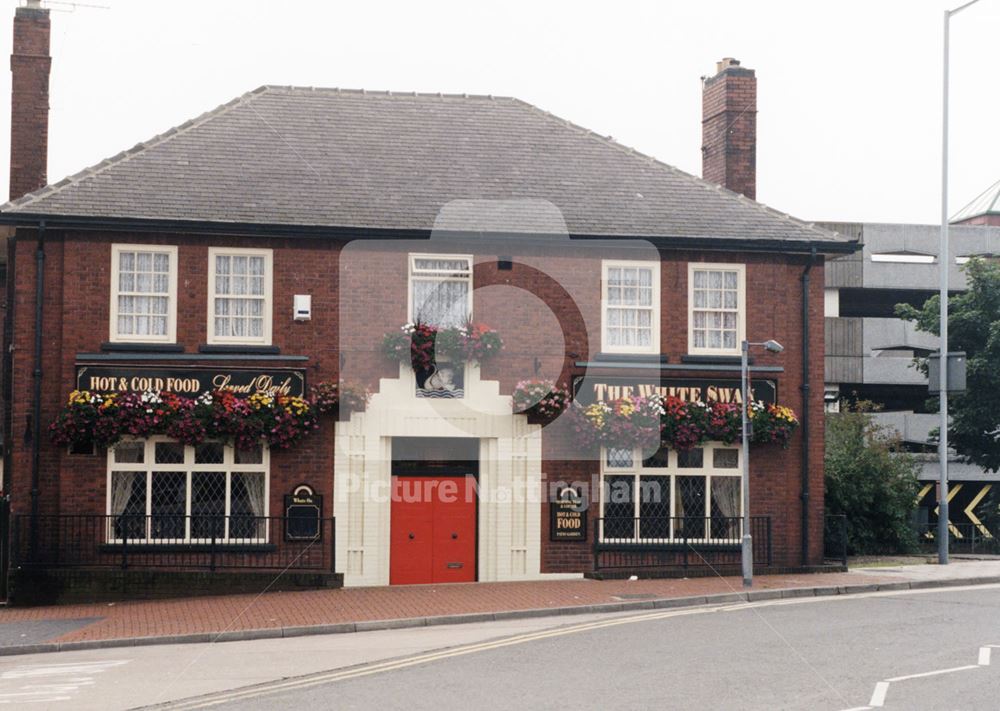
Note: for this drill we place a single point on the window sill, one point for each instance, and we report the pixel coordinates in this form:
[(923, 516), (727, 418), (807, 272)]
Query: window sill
[(679, 545), (220, 547), (632, 357), (714, 359), (238, 348), (123, 346)]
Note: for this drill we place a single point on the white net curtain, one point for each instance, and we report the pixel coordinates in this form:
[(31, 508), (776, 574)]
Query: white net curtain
[(143, 293), (629, 317), (239, 296), (440, 291)]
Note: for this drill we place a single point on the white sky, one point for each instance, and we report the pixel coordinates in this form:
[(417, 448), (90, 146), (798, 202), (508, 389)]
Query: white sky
[(849, 98)]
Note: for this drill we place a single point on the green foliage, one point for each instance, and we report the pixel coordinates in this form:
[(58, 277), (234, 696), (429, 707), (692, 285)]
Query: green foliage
[(871, 481), (973, 327)]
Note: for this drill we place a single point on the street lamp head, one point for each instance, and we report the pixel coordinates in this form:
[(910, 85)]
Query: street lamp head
[(773, 346)]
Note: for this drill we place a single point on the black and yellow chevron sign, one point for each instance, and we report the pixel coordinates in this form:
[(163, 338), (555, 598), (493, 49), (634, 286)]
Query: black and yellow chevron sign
[(970, 504)]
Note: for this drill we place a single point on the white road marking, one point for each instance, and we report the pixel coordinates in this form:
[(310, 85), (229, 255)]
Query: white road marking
[(45, 683), (936, 672), (878, 696), (882, 687)]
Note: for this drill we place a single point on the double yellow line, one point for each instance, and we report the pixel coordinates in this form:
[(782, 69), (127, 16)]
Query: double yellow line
[(392, 665)]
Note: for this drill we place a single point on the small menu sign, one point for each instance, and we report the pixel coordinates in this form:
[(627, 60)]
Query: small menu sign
[(568, 516)]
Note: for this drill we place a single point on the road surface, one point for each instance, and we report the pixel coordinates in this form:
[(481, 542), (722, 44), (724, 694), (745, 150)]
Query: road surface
[(913, 650)]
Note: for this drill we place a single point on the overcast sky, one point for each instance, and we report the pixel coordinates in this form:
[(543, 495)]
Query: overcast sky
[(849, 105)]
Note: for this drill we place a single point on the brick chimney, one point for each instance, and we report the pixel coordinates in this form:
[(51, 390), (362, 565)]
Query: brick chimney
[(729, 128), (29, 114)]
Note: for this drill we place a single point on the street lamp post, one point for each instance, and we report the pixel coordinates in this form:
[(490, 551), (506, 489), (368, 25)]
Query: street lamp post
[(747, 540), (944, 260)]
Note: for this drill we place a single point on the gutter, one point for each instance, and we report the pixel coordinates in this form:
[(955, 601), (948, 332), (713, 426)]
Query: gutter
[(360, 233), (805, 388)]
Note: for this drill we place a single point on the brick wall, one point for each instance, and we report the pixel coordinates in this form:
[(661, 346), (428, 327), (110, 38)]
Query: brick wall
[(358, 293)]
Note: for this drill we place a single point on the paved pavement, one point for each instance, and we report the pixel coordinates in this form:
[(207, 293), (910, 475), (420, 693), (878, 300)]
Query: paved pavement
[(334, 609), (906, 649), (23, 630)]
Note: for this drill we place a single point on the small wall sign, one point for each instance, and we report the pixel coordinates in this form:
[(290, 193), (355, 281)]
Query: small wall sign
[(568, 516), (303, 515)]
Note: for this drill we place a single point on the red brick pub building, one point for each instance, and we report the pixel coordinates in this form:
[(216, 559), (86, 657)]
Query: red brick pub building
[(279, 244)]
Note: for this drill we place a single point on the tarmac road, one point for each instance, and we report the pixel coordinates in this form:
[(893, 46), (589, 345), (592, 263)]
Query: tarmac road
[(913, 651), (910, 650)]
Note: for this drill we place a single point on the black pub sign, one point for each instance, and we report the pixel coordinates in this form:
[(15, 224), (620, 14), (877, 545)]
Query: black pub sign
[(601, 388), (242, 382), (568, 516), (303, 514)]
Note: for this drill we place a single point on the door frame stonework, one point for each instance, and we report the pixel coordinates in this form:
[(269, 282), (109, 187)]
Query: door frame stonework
[(510, 472)]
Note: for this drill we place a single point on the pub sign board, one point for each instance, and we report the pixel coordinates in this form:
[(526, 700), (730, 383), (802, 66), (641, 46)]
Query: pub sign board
[(303, 515), (599, 388), (568, 516), (242, 382)]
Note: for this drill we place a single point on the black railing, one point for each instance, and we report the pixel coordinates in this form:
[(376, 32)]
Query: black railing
[(173, 541), (835, 538), (678, 542), (962, 538)]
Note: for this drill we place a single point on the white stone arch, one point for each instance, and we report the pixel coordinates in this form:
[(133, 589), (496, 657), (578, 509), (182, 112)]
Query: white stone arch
[(510, 470)]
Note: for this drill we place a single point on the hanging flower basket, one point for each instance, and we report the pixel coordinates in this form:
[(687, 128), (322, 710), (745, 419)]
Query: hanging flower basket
[(336, 398), (280, 421), (541, 400), (647, 422), (419, 344)]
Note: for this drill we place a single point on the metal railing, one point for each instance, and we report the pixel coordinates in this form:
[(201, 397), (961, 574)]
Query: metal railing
[(835, 538), (677, 541), (173, 541), (962, 538)]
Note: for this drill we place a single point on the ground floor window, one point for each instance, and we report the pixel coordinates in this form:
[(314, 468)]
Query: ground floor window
[(163, 491), (693, 495)]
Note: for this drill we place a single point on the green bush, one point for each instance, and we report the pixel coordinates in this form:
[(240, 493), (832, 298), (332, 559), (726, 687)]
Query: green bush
[(871, 481)]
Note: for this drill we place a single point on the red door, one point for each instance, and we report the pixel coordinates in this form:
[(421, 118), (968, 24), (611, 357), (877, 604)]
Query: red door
[(432, 530)]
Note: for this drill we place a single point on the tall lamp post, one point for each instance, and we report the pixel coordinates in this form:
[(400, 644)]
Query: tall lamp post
[(771, 346), (944, 260)]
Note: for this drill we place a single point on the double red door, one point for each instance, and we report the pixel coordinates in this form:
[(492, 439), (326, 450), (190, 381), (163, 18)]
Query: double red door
[(432, 530)]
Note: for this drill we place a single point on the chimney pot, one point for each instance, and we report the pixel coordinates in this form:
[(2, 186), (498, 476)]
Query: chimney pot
[(729, 128)]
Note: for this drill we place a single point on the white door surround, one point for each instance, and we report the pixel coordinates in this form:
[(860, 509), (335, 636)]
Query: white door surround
[(510, 469)]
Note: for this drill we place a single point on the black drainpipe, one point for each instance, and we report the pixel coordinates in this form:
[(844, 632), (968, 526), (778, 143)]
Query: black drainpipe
[(36, 415), (805, 407)]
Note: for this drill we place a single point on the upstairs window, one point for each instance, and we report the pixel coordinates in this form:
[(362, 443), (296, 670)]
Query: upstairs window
[(630, 307), (440, 289), (239, 287), (716, 307), (143, 293)]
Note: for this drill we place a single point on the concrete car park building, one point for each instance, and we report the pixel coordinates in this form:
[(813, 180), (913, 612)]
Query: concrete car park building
[(870, 352), (283, 240)]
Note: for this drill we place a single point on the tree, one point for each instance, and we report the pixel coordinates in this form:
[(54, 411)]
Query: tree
[(973, 327), (871, 480)]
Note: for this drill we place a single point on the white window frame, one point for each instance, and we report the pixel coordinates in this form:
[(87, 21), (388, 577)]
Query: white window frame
[(741, 306), (654, 341), (171, 334), (148, 466), (708, 471), (268, 254), (414, 274)]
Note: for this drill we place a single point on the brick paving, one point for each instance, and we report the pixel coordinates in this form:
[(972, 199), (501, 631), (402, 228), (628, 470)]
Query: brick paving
[(150, 618)]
